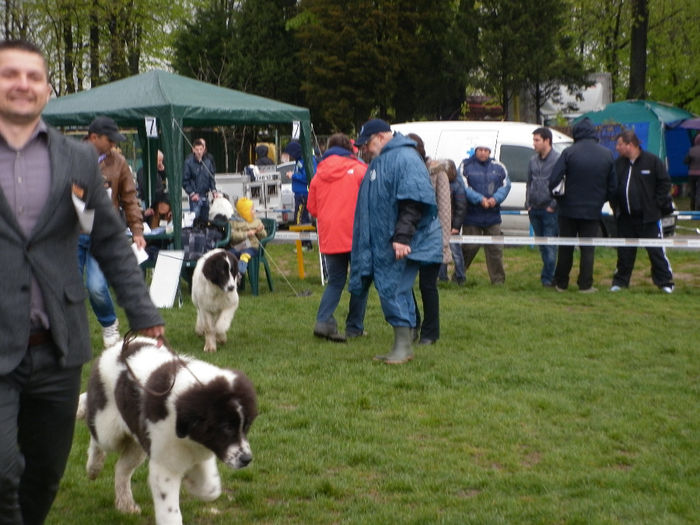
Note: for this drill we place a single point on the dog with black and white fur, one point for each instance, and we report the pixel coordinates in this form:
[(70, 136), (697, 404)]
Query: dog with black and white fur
[(182, 413), (215, 295)]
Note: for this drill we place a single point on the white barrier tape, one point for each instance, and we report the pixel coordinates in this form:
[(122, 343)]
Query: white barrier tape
[(691, 244), (522, 240), (295, 236)]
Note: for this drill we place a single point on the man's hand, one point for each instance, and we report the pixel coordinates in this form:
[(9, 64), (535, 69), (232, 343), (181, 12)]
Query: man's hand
[(195, 197), (401, 250), (139, 241), (153, 331)]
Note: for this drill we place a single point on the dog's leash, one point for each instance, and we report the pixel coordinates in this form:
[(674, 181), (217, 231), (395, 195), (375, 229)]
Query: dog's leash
[(177, 360)]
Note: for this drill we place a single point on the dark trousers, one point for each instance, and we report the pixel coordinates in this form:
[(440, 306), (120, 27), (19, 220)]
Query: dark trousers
[(38, 401), (633, 227), (694, 192), (427, 282), (569, 227), (493, 252), (301, 214)]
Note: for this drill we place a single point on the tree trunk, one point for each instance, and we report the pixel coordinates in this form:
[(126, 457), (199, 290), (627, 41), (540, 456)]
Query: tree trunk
[(68, 53), (638, 49), (94, 44)]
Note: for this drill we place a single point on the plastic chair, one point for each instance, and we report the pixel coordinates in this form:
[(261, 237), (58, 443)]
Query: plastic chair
[(254, 263)]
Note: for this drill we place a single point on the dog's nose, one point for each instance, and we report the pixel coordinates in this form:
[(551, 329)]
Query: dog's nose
[(230, 288), (244, 459)]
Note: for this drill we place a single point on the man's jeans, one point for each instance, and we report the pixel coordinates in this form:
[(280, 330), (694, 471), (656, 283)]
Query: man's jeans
[(545, 224), (98, 290), (200, 208), (337, 266)]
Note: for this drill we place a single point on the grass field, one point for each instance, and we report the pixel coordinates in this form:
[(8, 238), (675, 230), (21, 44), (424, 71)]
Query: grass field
[(534, 407)]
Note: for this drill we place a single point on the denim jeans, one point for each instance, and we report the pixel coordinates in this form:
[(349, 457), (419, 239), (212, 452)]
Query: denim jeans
[(337, 266), (458, 260), (98, 290), (200, 208), (545, 224)]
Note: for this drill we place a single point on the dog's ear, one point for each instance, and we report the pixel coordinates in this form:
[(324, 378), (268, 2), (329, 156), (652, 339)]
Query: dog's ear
[(184, 424)]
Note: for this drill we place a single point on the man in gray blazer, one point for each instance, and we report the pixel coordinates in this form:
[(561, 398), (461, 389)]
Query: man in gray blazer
[(46, 180)]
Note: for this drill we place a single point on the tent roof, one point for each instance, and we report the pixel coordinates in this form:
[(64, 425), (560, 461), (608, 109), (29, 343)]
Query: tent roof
[(638, 111), (166, 95)]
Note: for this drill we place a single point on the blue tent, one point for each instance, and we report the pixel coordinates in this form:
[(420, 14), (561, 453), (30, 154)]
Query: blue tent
[(656, 124)]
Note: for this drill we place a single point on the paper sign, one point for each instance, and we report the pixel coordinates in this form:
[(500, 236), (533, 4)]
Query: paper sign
[(151, 128), (166, 277)]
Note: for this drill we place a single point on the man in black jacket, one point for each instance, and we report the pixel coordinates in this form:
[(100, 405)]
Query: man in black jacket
[(642, 198), (590, 181)]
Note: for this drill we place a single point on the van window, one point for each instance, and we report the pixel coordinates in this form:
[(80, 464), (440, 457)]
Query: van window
[(516, 160)]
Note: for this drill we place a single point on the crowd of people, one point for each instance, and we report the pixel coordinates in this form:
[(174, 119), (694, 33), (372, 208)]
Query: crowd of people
[(385, 214)]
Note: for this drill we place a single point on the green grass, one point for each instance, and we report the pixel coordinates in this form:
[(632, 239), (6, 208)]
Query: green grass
[(534, 407)]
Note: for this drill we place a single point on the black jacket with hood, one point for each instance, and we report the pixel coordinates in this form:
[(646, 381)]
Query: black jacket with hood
[(590, 174)]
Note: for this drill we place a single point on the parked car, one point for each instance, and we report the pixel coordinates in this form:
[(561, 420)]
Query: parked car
[(511, 144)]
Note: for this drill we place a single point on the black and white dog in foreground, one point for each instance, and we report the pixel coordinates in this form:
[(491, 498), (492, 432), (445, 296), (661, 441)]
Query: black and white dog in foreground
[(215, 295), (143, 400)]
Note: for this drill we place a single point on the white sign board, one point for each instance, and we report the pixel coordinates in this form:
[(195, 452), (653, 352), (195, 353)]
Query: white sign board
[(166, 278), (151, 128)]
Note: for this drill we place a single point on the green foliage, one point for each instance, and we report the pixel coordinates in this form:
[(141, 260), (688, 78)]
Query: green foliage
[(241, 45), (400, 60), (533, 407)]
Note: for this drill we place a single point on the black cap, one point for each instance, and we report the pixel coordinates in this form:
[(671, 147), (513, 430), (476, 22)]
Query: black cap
[(106, 126), (376, 125)]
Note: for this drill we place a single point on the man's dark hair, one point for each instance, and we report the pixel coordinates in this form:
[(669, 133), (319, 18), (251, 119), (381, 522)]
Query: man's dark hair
[(23, 45), (545, 133), (628, 136), (198, 142)]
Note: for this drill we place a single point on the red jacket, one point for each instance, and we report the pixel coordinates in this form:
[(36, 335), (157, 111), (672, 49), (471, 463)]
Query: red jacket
[(332, 199)]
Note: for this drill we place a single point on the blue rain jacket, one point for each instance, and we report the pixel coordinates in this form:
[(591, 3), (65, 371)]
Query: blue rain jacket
[(397, 173)]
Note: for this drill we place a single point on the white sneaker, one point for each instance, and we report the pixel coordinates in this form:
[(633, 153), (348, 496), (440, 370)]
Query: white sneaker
[(667, 289), (615, 288), (110, 334)]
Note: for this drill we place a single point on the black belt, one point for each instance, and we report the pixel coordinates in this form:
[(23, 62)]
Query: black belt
[(39, 338)]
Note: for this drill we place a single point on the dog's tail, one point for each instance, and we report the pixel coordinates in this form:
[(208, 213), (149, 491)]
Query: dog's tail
[(82, 406)]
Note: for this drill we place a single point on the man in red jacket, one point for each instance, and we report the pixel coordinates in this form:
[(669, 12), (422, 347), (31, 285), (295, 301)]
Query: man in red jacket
[(332, 199)]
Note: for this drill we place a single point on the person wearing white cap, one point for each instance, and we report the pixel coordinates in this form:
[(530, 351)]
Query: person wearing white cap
[(488, 186)]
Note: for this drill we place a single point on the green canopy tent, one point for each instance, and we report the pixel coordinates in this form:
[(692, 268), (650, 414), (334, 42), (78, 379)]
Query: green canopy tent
[(656, 124), (174, 102)]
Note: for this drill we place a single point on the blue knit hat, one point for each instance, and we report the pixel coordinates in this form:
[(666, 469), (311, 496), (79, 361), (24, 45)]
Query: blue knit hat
[(293, 149)]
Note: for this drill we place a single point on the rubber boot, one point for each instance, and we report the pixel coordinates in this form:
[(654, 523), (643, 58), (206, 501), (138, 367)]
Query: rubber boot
[(401, 352), (329, 331)]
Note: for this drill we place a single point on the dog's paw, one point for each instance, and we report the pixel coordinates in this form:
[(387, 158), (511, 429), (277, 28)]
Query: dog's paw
[(210, 349), (221, 338), (127, 506)]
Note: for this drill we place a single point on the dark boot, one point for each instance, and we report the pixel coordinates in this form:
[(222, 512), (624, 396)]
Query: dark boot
[(329, 330), (401, 352)]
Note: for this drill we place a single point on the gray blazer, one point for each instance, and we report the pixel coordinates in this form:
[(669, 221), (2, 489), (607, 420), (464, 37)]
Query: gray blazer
[(50, 253)]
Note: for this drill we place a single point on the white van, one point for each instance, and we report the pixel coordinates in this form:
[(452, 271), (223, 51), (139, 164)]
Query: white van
[(511, 144)]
